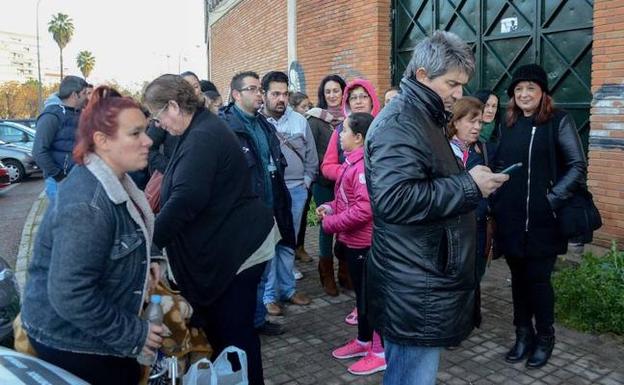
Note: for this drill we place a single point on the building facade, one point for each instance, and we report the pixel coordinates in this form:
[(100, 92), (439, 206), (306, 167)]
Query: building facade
[(579, 43), (18, 57)]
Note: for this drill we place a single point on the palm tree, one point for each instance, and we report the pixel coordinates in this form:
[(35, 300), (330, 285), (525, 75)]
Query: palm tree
[(85, 61), (62, 29)]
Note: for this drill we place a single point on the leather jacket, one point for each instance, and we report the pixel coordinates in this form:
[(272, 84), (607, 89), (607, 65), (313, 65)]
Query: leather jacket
[(524, 206), (421, 277)]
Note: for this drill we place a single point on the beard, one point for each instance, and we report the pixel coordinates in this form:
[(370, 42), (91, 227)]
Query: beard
[(277, 109)]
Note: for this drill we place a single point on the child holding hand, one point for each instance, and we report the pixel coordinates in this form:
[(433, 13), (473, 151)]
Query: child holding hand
[(350, 216)]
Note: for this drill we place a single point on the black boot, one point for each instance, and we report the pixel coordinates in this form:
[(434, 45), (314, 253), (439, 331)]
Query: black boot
[(542, 352), (524, 344)]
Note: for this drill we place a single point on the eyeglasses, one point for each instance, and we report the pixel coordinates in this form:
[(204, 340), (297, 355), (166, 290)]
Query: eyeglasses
[(252, 89), (354, 97), (156, 117)]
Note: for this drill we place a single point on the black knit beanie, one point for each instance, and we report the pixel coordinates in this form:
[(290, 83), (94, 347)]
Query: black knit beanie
[(531, 73)]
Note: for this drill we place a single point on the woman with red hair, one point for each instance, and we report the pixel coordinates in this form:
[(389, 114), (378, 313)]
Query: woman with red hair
[(90, 271)]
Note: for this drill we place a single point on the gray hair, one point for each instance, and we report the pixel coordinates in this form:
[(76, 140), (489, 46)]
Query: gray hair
[(441, 52)]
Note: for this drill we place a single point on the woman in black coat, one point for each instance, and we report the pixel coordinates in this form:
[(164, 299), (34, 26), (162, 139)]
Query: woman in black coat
[(217, 233), (524, 208)]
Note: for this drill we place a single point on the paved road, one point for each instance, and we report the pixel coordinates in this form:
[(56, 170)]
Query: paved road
[(15, 204)]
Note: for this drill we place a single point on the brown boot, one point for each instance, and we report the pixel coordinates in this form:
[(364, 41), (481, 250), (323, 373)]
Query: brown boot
[(326, 273), (302, 255), (344, 279)]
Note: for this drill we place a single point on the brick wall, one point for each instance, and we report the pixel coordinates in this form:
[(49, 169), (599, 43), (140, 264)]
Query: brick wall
[(348, 37), (251, 36), (606, 153)]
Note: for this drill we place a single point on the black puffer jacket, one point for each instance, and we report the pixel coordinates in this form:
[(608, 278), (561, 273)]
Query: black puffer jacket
[(421, 272), (523, 206)]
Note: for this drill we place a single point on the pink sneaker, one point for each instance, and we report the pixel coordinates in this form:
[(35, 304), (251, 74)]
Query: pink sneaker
[(352, 318), (371, 363), (351, 349)]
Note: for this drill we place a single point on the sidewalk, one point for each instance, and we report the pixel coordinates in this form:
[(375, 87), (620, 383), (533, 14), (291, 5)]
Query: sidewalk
[(303, 354)]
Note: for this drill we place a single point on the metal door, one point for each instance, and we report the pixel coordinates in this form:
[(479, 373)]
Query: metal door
[(505, 34)]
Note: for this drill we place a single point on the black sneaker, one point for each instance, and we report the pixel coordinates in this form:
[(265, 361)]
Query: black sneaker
[(269, 328)]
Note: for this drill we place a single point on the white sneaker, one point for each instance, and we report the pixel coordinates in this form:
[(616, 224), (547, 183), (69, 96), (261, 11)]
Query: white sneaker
[(298, 275)]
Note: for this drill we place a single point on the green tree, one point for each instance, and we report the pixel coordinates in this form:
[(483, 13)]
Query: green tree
[(86, 62), (62, 29)]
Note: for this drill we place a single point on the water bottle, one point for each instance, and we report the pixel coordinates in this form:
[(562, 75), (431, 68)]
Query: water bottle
[(154, 314)]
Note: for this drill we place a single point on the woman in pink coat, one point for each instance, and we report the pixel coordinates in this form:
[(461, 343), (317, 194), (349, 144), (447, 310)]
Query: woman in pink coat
[(350, 216)]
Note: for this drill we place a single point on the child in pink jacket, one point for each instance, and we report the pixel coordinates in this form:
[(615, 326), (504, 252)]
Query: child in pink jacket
[(350, 216)]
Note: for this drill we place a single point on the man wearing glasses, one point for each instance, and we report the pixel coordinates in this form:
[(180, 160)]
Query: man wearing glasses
[(261, 148)]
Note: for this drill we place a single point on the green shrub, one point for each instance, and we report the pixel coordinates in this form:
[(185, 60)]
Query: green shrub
[(590, 297), (312, 218)]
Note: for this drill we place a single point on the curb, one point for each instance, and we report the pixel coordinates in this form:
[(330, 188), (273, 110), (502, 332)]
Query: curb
[(28, 238)]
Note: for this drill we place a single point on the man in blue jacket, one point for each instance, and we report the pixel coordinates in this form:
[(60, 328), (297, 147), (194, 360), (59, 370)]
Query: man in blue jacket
[(56, 132)]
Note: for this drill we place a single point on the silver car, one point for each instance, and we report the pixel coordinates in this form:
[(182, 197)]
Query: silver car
[(17, 157)]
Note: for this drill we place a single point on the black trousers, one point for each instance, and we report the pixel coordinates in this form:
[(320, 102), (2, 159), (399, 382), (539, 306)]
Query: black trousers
[(532, 292), (356, 259), (230, 321), (93, 368)]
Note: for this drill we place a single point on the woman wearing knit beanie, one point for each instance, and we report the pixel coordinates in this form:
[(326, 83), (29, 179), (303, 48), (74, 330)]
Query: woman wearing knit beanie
[(527, 234)]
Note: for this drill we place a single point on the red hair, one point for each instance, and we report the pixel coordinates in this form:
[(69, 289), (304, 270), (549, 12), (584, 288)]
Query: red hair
[(100, 114), (545, 111)]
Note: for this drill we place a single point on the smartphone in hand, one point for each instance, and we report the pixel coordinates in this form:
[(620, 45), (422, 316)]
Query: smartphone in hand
[(512, 168)]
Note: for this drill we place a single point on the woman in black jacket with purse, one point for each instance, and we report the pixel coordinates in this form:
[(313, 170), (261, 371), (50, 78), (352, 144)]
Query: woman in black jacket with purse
[(534, 134), (217, 233)]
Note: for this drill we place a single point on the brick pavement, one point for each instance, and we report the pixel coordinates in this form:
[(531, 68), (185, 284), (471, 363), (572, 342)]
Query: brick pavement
[(303, 354)]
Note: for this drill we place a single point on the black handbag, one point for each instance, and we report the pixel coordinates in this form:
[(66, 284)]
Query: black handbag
[(577, 217)]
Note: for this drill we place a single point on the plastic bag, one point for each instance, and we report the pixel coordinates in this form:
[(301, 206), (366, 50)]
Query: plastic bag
[(204, 372)]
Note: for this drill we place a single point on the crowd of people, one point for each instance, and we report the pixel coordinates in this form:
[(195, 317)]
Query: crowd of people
[(407, 195)]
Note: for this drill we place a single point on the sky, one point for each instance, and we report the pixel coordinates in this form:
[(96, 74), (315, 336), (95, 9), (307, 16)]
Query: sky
[(133, 41)]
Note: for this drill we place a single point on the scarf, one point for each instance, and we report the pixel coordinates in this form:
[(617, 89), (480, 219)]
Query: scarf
[(338, 114), (257, 134), (460, 149)]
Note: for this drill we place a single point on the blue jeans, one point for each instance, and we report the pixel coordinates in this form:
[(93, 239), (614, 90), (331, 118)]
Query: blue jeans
[(410, 365), (280, 280), (50, 188)]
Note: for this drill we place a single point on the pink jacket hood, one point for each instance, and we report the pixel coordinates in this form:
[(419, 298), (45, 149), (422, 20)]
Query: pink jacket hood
[(368, 86)]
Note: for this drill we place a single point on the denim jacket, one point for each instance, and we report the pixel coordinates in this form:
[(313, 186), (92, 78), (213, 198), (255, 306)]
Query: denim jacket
[(88, 276)]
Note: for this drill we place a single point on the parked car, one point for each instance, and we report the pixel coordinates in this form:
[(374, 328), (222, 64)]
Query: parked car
[(17, 134), (18, 160), (30, 123), (4, 176)]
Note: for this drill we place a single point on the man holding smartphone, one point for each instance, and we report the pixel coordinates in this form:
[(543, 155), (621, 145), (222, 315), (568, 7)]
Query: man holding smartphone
[(421, 279)]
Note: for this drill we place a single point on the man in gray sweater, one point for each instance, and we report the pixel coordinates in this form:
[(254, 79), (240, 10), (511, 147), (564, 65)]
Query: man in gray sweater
[(297, 145)]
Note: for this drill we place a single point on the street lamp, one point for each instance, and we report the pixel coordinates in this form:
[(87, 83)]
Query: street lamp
[(39, 95)]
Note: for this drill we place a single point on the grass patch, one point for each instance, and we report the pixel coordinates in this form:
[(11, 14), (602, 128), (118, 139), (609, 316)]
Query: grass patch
[(590, 296)]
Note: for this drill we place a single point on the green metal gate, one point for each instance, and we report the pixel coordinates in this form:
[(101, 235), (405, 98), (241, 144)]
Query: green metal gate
[(505, 34)]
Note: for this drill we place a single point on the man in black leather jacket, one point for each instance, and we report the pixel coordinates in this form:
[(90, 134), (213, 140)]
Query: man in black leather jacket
[(421, 278)]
